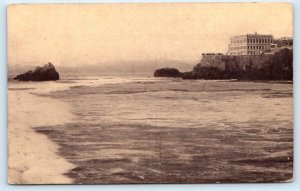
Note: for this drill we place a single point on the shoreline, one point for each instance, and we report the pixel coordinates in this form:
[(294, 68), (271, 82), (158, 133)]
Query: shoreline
[(32, 157), (88, 144)]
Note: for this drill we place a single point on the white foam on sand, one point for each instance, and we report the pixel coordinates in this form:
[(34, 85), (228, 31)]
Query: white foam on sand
[(32, 157)]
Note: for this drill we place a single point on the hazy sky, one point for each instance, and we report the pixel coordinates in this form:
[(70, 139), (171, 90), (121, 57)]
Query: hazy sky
[(97, 33)]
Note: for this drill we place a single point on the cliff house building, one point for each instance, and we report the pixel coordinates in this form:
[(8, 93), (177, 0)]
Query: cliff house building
[(250, 44)]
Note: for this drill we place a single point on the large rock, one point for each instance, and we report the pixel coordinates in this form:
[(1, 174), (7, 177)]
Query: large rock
[(167, 72), (45, 73), (212, 73)]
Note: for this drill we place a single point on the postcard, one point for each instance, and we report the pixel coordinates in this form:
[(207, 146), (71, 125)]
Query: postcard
[(150, 93)]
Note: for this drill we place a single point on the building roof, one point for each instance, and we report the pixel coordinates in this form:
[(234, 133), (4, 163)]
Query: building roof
[(253, 35)]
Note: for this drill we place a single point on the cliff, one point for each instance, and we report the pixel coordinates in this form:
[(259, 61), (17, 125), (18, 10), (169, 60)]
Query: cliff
[(278, 66)]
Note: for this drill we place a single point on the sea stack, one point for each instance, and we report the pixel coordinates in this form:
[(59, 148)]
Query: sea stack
[(45, 73), (167, 72)]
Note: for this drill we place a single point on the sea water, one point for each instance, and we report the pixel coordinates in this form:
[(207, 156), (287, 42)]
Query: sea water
[(169, 130)]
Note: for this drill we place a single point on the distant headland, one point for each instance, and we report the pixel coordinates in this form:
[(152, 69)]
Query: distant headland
[(249, 57)]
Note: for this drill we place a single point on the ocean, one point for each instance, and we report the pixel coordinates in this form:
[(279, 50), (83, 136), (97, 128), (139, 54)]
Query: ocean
[(169, 130)]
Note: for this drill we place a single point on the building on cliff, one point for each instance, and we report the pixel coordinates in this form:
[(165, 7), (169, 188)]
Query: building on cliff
[(279, 44), (250, 44)]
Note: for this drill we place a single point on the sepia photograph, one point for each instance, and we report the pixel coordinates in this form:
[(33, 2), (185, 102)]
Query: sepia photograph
[(150, 93)]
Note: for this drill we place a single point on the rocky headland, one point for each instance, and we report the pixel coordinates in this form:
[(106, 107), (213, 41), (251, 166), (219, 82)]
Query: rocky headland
[(277, 66)]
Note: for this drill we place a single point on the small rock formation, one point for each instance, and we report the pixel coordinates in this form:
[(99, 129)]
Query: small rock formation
[(45, 73), (167, 72)]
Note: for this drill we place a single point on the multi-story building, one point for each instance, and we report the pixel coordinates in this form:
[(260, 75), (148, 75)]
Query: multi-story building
[(249, 44)]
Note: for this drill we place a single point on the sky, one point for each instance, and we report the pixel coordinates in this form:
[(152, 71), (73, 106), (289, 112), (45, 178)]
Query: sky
[(88, 34)]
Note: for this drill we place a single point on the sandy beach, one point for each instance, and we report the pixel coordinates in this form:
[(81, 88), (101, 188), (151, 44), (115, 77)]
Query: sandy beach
[(33, 158)]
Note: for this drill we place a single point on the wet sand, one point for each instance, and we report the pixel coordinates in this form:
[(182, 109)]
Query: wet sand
[(32, 157)]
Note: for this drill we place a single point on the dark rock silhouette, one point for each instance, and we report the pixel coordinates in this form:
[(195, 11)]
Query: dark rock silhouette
[(45, 73), (167, 72)]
